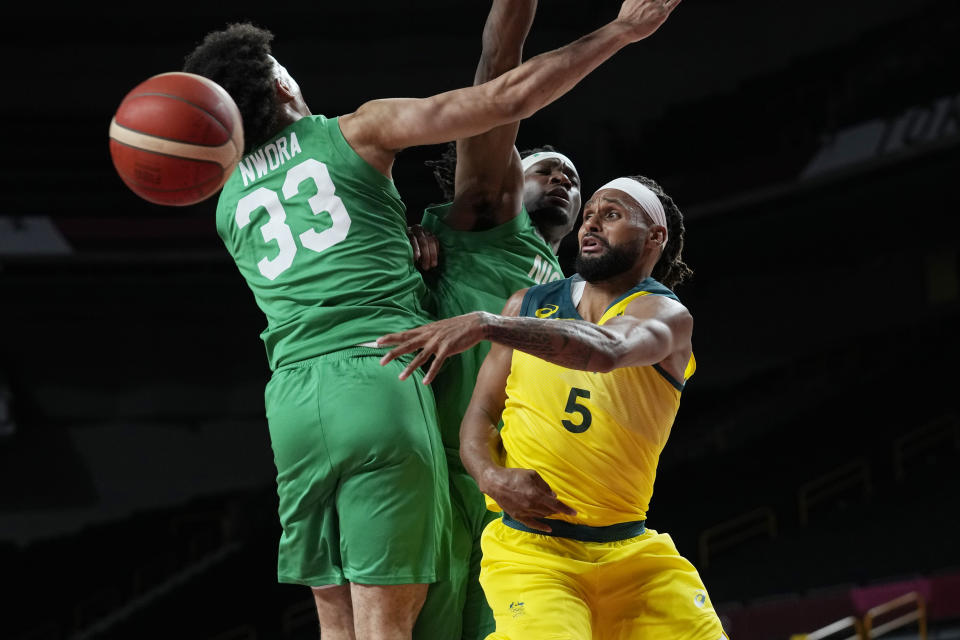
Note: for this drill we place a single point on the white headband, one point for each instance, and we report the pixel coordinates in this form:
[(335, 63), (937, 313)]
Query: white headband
[(647, 200), (534, 158)]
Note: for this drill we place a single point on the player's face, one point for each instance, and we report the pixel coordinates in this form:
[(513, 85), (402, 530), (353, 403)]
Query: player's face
[(612, 235), (611, 218), (551, 193)]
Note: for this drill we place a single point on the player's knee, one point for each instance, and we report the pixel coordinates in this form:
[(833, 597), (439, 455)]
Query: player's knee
[(388, 607), (334, 609)]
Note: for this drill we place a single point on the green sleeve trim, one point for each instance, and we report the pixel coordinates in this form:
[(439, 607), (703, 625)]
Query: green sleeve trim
[(655, 288)]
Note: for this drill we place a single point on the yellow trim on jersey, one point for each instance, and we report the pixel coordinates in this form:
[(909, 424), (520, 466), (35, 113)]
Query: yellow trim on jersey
[(690, 369), (619, 308)]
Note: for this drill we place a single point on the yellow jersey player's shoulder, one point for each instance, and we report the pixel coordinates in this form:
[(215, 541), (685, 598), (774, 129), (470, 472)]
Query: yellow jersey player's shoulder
[(649, 298), (655, 300)]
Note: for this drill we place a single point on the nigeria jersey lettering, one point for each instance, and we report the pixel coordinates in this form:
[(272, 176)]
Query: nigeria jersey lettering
[(543, 271), (269, 157)]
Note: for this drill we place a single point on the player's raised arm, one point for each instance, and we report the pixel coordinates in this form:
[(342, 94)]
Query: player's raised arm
[(489, 176), (381, 128)]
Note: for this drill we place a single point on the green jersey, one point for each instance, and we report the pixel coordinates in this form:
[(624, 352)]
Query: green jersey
[(480, 270), (320, 237)]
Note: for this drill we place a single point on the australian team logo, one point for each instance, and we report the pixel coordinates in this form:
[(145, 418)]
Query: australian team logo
[(547, 311), (700, 598)]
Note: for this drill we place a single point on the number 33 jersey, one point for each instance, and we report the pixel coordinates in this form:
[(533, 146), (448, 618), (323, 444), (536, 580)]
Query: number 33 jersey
[(321, 238), (595, 438)]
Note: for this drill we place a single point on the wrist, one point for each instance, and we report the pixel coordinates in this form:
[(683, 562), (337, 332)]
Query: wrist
[(623, 33), (489, 480), (485, 322)]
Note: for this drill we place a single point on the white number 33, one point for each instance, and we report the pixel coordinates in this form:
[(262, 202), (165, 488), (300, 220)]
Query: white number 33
[(325, 200)]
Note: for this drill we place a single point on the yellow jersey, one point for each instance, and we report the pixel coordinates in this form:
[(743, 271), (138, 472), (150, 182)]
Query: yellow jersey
[(595, 438)]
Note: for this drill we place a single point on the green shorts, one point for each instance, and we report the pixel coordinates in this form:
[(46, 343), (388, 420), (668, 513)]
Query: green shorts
[(361, 472), (456, 608)]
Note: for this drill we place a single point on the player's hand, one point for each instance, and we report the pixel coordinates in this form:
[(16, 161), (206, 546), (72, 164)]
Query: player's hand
[(426, 247), (525, 496), (643, 17), (438, 340)]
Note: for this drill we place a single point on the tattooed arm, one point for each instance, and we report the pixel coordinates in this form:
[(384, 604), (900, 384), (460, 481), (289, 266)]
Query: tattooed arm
[(652, 330)]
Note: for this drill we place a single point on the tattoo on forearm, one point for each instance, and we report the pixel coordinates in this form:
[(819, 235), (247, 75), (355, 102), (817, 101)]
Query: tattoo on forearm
[(563, 343)]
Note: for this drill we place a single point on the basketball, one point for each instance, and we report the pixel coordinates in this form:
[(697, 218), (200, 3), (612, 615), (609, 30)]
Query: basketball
[(176, 138)]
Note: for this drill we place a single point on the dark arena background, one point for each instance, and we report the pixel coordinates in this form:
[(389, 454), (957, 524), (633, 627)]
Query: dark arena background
[(812, 473)]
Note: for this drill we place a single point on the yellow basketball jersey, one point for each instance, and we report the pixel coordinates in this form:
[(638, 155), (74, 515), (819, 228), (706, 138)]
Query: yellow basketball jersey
[(595, 438)]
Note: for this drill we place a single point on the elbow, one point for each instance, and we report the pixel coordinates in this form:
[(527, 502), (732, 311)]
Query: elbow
[(605, 360)]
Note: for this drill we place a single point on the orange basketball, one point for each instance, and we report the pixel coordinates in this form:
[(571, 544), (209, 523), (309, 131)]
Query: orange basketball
[(176, 138)]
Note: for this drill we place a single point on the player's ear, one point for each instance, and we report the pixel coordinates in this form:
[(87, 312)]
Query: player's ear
[(285, 92), (657, 235)]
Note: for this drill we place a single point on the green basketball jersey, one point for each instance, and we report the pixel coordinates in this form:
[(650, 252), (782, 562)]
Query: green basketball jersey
[(480, 270), (320, 237)]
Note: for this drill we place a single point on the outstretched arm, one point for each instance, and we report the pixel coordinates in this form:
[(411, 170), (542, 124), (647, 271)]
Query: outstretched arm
[(520, 492), (489, 177), (381, 128), (652, 330)]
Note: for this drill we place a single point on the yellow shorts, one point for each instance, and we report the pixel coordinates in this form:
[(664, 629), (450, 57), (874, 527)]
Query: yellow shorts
[(551, 588)]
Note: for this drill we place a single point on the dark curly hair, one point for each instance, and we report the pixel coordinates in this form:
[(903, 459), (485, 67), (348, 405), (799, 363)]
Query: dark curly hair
[(445, 167), (236, 59), (670, 269)]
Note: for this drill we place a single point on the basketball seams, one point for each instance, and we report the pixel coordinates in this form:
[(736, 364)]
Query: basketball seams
[(197, 187), (213, 86), (144, 189), (236, 131), (199, 108), (175, 156), (170, 148), (141, 186)]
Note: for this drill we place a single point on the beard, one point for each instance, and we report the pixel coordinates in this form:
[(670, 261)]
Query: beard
[(612, 262)]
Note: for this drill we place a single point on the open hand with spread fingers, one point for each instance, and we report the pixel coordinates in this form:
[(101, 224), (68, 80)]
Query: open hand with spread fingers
[(644, 17), (439, 340)]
